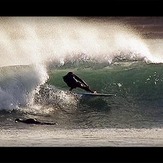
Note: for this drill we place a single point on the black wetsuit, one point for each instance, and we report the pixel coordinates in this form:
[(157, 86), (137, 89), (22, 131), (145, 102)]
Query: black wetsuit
[(74, 81), (33, 121)]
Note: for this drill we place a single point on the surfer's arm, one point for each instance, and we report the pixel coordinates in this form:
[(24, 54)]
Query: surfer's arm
[(82, 81)]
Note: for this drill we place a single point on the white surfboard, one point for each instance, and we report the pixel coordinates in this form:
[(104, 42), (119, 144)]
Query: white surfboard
[(95, 94)]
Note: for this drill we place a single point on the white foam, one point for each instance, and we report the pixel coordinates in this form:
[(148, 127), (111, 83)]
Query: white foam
[(57, 137), (18, 84)]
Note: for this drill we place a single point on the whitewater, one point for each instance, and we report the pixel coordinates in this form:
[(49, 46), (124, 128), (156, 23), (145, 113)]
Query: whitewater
[(111, 56)]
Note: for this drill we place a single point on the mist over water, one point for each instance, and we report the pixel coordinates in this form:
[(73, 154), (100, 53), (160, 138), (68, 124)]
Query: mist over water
[(34, 40), (37, 42)]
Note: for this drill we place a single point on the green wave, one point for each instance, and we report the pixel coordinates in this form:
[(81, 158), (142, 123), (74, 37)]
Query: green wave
[(139, 81)]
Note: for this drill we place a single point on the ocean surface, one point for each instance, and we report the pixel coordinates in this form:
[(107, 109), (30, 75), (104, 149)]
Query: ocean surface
[(117, 56)]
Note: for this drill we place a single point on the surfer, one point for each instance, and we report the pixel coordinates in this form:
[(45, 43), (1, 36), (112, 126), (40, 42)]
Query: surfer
[(32, 121), (74, 81)]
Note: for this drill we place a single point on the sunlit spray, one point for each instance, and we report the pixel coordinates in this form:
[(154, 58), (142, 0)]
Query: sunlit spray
[(38, 41), (32, 40)]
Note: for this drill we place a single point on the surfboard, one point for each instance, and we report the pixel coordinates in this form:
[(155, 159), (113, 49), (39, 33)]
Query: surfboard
[(95, 94)]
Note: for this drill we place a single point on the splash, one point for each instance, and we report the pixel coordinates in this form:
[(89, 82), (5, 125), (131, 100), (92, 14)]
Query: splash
[(48, 100), (18, 85)]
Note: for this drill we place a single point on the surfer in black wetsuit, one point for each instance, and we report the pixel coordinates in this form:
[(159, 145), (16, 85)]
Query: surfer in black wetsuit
[(33, 121), (74, 81)]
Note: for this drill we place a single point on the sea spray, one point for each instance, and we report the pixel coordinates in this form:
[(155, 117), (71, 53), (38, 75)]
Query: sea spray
[(18, 84), (18, 81), (33, 40), (38, 42)]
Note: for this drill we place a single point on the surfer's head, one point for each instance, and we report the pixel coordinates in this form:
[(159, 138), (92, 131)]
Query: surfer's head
[(70, 73), (17, 120)]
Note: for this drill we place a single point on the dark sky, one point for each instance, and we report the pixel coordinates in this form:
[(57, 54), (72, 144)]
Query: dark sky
[(149, 27)]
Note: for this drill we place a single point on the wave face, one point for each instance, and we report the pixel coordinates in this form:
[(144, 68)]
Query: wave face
[(138, 80), (111, 56), (138, 88)]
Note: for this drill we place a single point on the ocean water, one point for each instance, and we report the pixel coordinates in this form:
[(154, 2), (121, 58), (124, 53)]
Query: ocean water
[(111, 56)]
